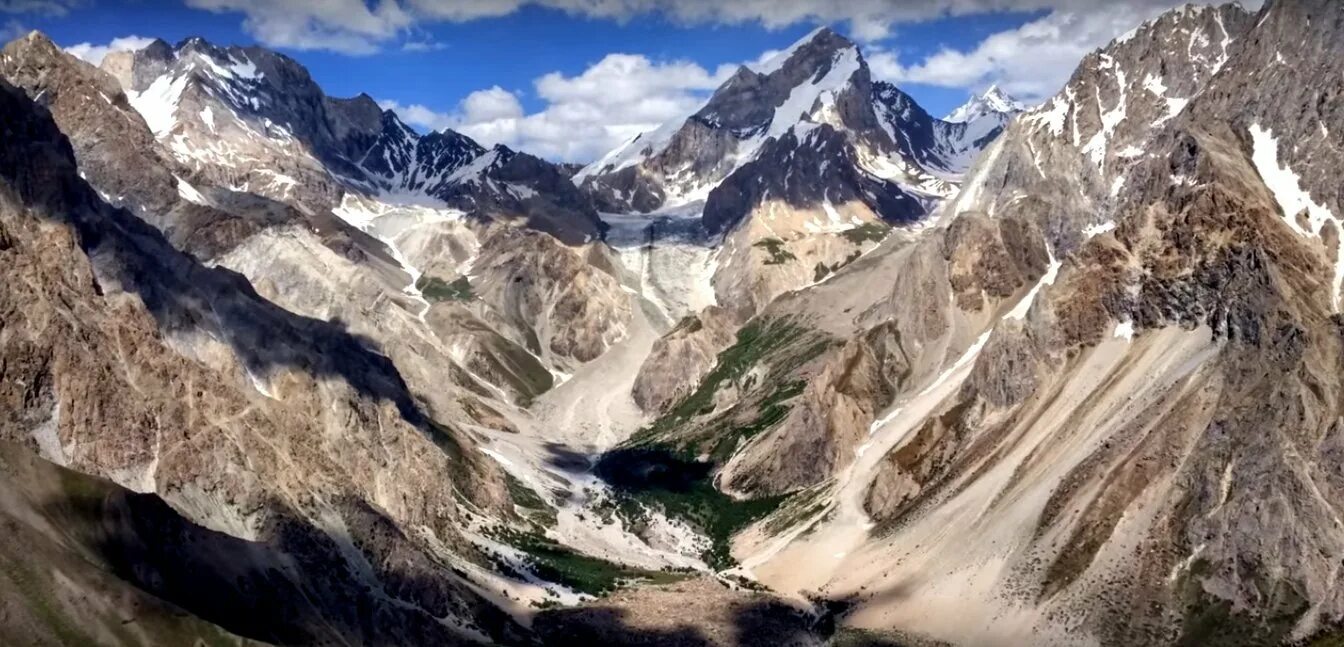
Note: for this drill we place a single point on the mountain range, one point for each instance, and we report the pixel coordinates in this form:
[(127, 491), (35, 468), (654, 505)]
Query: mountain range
[(806, 366)]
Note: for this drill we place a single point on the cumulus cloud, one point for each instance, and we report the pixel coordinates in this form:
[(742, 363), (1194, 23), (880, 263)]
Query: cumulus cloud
[(95, 53), (1030, 62), (584, 115), (348, 26), (360, 27)]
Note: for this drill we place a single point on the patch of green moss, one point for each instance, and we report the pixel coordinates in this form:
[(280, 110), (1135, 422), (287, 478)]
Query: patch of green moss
[(555, 563), (772, 411), (775, 248), (436, 290), (755, 341), (655, 479), (534, 508), (867, 232)]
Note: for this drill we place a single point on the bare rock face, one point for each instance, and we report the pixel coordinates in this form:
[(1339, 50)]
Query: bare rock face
[(53, 591), (681, 357), (992, 259), (548, 297), (1071, 156), (116, 150), (828, 421)]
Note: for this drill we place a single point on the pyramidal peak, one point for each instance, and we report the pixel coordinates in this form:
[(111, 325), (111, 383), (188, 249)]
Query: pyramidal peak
[(993, 101), (820, 39)]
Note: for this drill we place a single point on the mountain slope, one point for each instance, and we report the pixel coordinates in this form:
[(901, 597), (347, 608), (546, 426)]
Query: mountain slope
[(787, 174), (1093, 397), (129, 360), (1071, 375)]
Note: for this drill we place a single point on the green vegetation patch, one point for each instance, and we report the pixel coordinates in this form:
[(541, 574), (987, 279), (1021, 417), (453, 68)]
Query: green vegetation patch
[(660, 480), (755, 342), (436, 290), (873, 232), (555, 563), (531, 506), (670, 465), (772, 412), (803, 506), (775, 248)]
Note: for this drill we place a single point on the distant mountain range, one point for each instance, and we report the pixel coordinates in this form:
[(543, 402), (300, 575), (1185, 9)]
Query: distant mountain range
[(805, 366)]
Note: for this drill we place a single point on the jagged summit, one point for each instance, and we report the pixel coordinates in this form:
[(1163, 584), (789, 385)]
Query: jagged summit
[(816, 100), (993, 101), (818, 41), (255, 120)]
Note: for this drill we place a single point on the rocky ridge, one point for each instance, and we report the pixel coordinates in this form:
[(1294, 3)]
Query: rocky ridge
[(1110, 359)]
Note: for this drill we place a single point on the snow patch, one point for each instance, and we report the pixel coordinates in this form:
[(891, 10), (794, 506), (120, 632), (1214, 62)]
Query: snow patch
[(1099, 228), (1124, 330), (189, 193), (1019, 311), (157, 105), (1293, 199)]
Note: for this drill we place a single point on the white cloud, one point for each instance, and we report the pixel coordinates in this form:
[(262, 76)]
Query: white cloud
[(585, 115), (348, 26), (491, 104), (95, 53), (1030, 62), (622, 95), (423, 46), (46, 7), (360, 27)]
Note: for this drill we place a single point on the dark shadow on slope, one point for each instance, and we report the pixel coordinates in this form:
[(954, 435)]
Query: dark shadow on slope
[(181, 294), (567, 460), (294, 586), (806, 175), (609, 626), (639, 470), (750, 620)]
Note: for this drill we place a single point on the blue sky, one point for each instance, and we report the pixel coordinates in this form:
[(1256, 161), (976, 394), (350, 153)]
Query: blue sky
[(570, 79)]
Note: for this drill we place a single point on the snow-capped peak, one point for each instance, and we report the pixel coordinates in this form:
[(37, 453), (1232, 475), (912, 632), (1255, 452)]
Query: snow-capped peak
[(993, 101), (777, 61)]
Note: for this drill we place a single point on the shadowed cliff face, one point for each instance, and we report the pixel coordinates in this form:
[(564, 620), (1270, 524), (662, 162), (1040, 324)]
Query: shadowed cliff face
[(128, 551), (183, 296)]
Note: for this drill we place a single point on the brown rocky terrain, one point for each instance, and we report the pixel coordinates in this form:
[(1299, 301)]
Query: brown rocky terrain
[(126, 359), (1094, 400)]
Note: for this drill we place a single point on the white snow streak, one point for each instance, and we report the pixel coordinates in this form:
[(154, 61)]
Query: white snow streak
[(1293, 199)]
